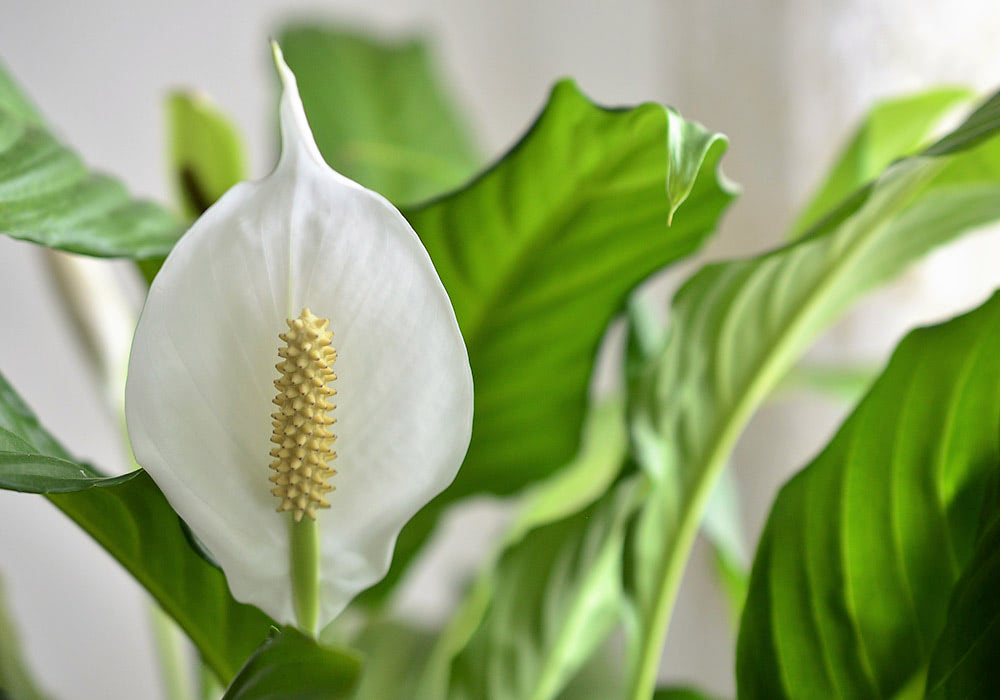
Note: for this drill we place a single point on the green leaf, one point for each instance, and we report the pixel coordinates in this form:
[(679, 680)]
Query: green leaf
[(291, 666), (394, 656), (206, 152), (131, 519), (845, 383), (206, 157), (16, 680), (964, 661), (680, 694), (893, 128), (48, 196), (379, 113), (557, 595), (738, 326), (863, 548), (538, 255), (563, 495)]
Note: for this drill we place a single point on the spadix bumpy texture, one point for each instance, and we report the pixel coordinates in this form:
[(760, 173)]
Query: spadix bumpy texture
[(303, 442), (201, 390)]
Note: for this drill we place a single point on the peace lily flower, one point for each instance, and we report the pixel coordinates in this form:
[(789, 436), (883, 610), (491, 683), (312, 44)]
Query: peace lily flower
[(289, 295)]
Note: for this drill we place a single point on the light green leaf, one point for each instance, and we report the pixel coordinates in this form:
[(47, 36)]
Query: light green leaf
[(48, 196), (131, 519), (863, 548), (738, 326), (538, 255), (205, 157), (16, 679), (206, 152), (291, 666), (394, 656), (963, 664), (845, 383), (564, 494), (379, 113), (557, 595), (893, 128)]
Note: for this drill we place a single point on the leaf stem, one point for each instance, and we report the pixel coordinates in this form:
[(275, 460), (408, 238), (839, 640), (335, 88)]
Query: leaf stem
[(305, 573), (170, 651)]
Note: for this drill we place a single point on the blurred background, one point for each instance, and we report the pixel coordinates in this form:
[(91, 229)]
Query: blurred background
[(786, 80)]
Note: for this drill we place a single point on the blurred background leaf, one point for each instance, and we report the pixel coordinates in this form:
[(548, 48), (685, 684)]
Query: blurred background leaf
[(16, 680), (379, 112), (206, 155), (892, 129)]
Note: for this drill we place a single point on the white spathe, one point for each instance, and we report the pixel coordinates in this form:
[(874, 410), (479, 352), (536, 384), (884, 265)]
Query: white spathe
[(199, 390)]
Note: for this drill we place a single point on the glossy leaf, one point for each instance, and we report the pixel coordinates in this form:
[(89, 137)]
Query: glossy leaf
[(964, 662), (16, 680), (48, 196), (863, 548), (893, 128), (379, 112), (738, 326), (131, 519), (291, 666), (539, 254)]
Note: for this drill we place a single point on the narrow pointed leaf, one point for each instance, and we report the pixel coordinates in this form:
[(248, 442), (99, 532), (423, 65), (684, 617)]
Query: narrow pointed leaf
[(292, 666), (48, 196), (863, 548), (892, 129), (379, 112), (131, 519), (738, 326)]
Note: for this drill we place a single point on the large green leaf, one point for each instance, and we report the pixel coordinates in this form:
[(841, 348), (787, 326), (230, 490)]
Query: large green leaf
[(862, 549), (539, 254), (48, 196), (964, 665), (379, 113), (557, 595), (132, 520), (291, 666), (738, 326), (16, 680), (893, 128)]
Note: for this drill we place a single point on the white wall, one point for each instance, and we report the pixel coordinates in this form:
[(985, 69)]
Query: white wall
[(784, 79)]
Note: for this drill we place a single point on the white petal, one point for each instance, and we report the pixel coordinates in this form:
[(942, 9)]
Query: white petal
[(198, 399)]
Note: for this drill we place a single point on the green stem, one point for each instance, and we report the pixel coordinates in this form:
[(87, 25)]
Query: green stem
[(170, 652), (305, 573)]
